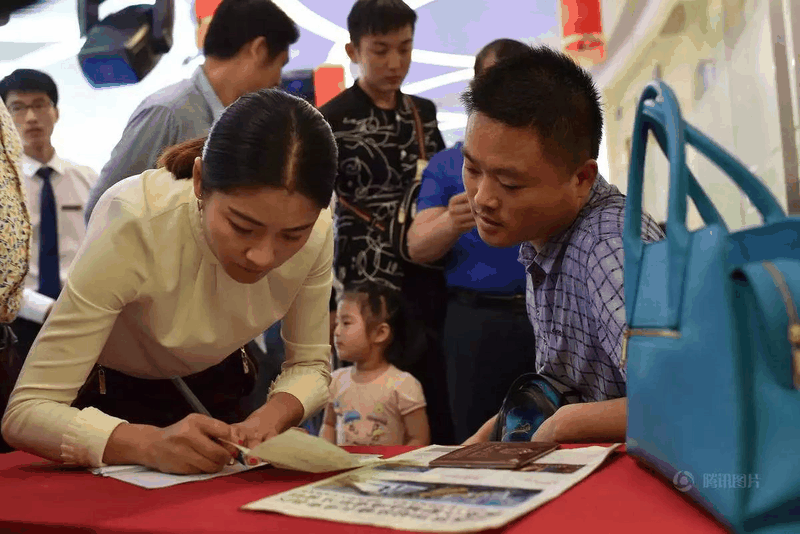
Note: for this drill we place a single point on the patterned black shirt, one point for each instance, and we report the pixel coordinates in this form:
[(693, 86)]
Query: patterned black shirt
[(378, 153)]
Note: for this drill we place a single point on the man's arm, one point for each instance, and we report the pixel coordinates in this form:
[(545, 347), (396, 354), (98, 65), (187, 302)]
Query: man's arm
[(435, 230), (149, 131), (596, 422), (431, 235)]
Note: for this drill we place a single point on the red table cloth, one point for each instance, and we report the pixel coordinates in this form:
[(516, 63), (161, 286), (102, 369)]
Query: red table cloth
[(39, 496)]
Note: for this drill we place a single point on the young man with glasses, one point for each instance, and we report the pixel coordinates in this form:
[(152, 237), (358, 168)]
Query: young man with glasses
[(57, 191)]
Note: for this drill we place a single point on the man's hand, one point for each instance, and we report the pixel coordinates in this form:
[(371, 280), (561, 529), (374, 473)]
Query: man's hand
[(460, 213), (483, 434), (549, 429)]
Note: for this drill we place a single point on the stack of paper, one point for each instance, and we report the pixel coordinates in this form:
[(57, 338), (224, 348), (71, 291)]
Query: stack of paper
[(406, 493), (144, 477)]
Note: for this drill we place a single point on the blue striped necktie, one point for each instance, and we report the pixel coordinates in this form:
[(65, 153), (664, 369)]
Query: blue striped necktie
[(49, 276)]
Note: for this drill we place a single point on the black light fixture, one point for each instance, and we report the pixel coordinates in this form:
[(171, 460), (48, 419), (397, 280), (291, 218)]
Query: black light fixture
[(125, 46), (8, 7), (299, 83)]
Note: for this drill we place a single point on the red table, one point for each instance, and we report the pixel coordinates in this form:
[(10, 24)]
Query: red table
[(40, 496)]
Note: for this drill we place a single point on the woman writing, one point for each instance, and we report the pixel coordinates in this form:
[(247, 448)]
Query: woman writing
[(181, 267)]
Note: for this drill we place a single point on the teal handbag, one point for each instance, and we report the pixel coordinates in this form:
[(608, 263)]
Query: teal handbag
[(713, 341)]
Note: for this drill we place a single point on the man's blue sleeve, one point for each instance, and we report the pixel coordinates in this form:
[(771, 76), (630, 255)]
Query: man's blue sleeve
[(437, 182)]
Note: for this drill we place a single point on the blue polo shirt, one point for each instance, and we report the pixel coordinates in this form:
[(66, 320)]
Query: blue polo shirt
[(472, 264)]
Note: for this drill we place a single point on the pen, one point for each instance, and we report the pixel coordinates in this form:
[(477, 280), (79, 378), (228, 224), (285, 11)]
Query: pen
[(198, 406)]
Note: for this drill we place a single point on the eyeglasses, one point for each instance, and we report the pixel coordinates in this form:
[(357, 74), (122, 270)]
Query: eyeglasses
[(19, 110)]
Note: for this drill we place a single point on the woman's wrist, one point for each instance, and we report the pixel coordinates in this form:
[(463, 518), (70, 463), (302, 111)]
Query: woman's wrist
[(130, 444), (280, 412)]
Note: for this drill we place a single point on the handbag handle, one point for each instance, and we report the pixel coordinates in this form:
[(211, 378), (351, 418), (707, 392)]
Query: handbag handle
[(423, 154), (702, 202), (658, 110)]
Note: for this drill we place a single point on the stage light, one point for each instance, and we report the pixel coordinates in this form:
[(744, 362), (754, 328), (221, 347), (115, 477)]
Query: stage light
[(125, 46)]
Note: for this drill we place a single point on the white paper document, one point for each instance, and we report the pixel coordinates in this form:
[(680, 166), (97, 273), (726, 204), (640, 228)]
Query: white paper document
[(404, 493), (293, 449), (144, 477)]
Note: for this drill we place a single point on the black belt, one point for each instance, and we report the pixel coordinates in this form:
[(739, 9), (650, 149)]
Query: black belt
[(479, 299)]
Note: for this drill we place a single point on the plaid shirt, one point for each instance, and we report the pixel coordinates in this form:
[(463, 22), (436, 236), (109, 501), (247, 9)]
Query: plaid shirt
[(575, 296)]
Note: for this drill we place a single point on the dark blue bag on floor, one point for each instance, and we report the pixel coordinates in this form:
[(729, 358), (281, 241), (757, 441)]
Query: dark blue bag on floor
[(713, 342)]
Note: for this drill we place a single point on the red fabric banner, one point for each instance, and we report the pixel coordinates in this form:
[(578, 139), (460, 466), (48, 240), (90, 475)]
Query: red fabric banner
[(205, 8), (328, 83), (582, 31)]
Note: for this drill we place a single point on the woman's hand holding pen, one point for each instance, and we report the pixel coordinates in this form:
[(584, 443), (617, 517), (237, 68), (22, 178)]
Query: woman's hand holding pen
[(190, 446)]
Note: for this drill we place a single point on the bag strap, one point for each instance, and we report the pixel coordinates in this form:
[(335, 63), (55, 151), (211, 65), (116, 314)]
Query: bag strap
[(423, 154), (362, 213)]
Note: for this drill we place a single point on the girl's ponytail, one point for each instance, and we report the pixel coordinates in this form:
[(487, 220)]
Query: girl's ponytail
[(379, 304)]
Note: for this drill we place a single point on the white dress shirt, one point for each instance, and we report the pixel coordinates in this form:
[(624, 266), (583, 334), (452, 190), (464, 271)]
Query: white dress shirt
[(71, 184)]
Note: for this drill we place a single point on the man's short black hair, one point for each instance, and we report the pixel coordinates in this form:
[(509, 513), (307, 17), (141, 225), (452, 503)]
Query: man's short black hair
[(29, 81), (378, 17), (501, 49), (237, 22), (546, 91)]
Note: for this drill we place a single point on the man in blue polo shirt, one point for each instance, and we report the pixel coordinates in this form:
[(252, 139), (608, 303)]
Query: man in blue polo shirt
[(488, 341)]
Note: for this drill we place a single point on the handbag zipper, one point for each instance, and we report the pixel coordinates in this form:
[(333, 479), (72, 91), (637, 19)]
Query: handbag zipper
[(647, 332), (244, 361), (101, 379), (794, 321)]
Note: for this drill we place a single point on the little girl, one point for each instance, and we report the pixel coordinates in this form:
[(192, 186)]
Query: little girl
[(372, 401)]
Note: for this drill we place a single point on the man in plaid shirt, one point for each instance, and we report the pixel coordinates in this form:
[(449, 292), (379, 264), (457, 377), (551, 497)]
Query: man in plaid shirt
[(530, 174)]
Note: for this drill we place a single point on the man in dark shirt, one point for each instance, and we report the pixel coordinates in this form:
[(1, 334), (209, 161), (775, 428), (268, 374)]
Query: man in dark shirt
[(374, 126)]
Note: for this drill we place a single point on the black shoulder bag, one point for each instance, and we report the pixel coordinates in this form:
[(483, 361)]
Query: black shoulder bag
[(398, 225)]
